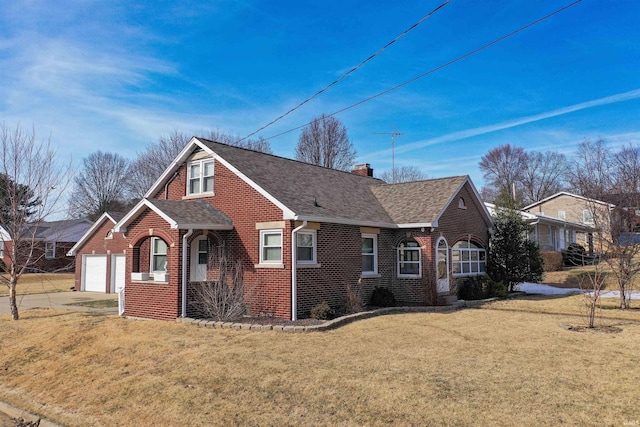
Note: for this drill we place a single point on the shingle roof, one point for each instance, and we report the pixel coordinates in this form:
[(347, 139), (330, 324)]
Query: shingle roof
[(63, 231), (418, 201), (306, 189), (196, 214)]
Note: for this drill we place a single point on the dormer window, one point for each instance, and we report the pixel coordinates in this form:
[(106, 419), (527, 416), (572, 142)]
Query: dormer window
[(200, 177)]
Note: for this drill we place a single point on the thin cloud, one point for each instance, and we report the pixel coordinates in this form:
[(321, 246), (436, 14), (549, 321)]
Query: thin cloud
[(468, 133)]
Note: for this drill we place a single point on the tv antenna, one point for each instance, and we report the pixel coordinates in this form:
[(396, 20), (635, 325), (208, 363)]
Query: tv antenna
[(393, 142)]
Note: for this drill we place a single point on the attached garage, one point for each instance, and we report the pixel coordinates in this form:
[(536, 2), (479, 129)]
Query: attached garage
[(94, 273)]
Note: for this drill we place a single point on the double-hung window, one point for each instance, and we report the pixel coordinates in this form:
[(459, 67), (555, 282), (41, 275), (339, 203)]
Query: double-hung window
[(158, 255), (50, 250), (200, 177), (409, 259), (468, 258), (270, 246), (369, 254), (306, 247), (587, 216)]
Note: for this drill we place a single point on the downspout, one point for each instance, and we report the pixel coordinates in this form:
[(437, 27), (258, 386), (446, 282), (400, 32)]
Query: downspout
[(184, 271), (294, 268), (166, 186)]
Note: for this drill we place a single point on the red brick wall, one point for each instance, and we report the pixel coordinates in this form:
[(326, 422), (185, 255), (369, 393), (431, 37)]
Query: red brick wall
[(267, 290), (97, 244)]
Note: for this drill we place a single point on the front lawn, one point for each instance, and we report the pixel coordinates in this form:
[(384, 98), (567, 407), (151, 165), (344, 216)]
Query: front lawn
[(499, 365), (39, 283)]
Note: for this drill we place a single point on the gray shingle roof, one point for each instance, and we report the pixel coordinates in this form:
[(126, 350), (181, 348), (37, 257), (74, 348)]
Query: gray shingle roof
[(197, 213), (418, 201), (306, 189)]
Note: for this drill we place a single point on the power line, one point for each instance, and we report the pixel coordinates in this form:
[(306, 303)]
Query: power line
[(324, 89), (438, 68)]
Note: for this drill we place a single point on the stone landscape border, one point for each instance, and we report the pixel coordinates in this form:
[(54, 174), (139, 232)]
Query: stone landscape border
[(331, 324)]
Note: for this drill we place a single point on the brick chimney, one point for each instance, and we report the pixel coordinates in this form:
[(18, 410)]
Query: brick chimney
[(363, 169)]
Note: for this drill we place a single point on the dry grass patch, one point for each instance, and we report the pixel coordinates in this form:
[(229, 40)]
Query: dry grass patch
[(491, 367), (571, 305), (570, 277), (39, 283)]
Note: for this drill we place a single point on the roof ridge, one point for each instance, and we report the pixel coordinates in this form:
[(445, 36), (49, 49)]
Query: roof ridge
[(285, 158), (423, 180)]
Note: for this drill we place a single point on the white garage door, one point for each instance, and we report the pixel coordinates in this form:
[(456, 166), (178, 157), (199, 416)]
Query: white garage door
[(94, 273), (117, 272)]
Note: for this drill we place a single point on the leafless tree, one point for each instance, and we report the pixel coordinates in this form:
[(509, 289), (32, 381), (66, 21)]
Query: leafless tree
[(502, 170), (224, 297), (543, 174), (603, 176), (149, 164), (403, 174), (100, 186), (324, 142), (31, 184)]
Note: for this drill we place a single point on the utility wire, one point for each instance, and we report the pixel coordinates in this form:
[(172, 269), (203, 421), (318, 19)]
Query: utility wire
[(433, 70), (333, 83)]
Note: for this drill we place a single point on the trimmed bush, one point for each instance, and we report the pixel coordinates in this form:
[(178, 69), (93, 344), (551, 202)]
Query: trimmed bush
[(321, 311), (480, 287), (382, 297), (552, 261)]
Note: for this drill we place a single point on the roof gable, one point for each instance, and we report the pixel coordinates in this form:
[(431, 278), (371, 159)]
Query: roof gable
[(89, 233), (566, 193)]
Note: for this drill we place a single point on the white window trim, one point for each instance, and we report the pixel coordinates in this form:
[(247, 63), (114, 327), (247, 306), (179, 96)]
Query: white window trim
[(409, 276), (461, 262), (153, 254), (562, 215), (314, 248), (46, 250), (584, 219), (262, 247), (375, 254), (201, 177)]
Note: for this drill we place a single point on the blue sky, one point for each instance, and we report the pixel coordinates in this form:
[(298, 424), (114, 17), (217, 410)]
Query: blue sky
[(116, 75)]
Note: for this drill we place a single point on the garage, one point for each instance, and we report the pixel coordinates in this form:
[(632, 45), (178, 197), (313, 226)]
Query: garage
[(94, 273)]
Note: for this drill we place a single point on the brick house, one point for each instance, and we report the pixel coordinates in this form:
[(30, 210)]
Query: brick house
[(52, 241), (100, 256), (337, 228), (577, 209)]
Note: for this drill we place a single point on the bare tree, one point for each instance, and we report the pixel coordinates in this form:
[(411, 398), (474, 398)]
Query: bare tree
[(502, 170), (31, 184), (592, 285), (324, 142), (100, 186), (602, 176), (149, 164), (543, 174), (403, 174)]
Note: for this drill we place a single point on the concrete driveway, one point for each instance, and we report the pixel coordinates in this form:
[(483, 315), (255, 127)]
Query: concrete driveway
[(59, 301)]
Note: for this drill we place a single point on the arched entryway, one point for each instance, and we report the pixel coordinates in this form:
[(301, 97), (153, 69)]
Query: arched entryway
[(442, 266)]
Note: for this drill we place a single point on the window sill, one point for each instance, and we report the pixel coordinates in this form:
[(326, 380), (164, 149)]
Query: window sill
[(370, 275), (409, 276), (198, 196), (274, 265), (309, 265), (480, 273), (149, 282)]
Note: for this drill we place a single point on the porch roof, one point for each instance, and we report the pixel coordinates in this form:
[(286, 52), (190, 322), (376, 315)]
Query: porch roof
[(181, 214)]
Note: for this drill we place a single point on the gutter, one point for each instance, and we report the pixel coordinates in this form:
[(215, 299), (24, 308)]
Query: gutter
[(294, 270), (184, 271)]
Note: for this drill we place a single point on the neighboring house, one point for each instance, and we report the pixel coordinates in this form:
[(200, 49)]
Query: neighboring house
[(576, 209), (53, 240), (100, 256), (552, 234), (336, 229)]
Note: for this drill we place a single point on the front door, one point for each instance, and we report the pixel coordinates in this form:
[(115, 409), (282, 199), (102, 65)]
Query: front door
[(442, 266), (199, 259)]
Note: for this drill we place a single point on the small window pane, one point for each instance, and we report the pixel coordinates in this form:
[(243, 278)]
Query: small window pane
[(208, 169), (466, 268), (159, 246), (367, 262), (465, 255), (410, 268), (194, 186), (159, 263), (305, 240), (474, 267), (456, 267), (202, 258), (195, 170), (305, 254), (367, 245), (483, 267), (474, 256), (208, 185), (202, 245), (272, 254), (272, 240)]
